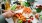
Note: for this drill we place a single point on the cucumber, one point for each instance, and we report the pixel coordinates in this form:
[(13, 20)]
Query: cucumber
[(13, 7)]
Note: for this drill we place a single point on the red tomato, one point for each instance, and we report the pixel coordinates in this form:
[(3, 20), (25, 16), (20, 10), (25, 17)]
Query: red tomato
[(29, 21), (32, 18)]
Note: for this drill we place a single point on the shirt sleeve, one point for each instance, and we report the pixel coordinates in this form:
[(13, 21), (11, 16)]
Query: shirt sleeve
[(2, 19)]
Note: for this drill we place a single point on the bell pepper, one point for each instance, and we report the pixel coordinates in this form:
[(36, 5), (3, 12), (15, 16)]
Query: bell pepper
[(19, 21)]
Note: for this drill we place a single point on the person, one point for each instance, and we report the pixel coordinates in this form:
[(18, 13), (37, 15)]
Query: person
[(6, 14)]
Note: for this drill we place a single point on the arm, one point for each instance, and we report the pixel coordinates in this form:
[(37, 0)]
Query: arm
[(7, 14), (2, 19)]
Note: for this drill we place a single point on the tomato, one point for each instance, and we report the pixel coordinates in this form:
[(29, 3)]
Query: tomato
[(31, 17), (29, 21)]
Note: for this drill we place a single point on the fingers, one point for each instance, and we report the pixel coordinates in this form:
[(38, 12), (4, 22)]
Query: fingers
[(11, 13), (4, 10), (8, 13)]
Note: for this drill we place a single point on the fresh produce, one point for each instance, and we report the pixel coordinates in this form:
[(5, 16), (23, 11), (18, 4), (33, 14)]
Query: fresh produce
[(27, 10), (37, 16), (7, 5), (25, 4), (31, 17), (29, 21), (38, 10), (40, 7), (13, 7), (40, 17), (19, 21), (19, 7), (20, 16)]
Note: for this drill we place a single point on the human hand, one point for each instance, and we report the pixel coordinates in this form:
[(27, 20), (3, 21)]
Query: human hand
[(8, 14), (3, 10)]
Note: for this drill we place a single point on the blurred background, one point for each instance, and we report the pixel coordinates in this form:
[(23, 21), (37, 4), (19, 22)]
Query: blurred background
[(7, 4)]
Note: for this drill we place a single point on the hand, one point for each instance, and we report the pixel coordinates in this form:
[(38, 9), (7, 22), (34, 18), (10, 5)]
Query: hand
[(8, 14), (4, 10)]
